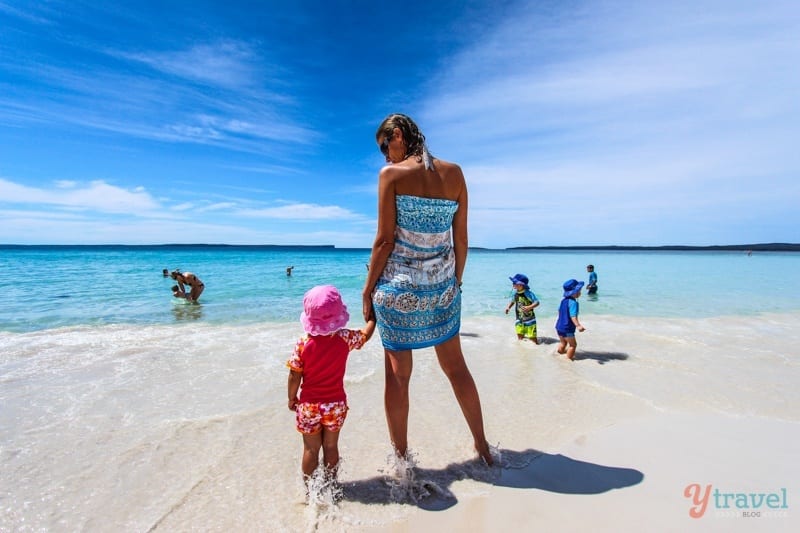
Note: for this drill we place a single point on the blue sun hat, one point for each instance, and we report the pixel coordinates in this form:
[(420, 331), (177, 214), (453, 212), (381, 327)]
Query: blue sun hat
[(520, 279), (572, 287)]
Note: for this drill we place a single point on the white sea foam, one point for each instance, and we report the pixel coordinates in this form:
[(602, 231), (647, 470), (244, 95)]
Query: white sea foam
[(186, 426)]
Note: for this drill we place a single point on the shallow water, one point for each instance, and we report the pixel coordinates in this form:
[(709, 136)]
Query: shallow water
[(42, 288), (125, 410), (183, 427)]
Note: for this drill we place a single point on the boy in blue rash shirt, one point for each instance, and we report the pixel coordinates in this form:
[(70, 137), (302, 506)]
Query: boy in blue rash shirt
[(525, 302), (568, 318), (591, 287)]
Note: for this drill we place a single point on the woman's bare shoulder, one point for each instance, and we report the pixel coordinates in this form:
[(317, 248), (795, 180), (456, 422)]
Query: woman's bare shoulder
[(448, 169)]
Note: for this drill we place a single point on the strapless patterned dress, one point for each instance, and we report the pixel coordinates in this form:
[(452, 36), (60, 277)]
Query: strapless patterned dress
[(417, 301)]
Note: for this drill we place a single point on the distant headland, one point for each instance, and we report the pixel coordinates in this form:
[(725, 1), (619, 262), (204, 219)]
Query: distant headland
[(761, 247)]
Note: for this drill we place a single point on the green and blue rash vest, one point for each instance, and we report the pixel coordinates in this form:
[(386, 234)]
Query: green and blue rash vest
[(522, 299), (564, 323)]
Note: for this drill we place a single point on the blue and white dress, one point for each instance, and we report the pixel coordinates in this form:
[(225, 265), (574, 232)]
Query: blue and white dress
[(417, 301)]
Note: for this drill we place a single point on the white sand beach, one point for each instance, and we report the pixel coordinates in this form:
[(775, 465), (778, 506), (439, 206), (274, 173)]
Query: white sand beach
[(608, 442), (657, 410)]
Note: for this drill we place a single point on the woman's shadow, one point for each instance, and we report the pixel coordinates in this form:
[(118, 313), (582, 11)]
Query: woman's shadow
[(528, 469)]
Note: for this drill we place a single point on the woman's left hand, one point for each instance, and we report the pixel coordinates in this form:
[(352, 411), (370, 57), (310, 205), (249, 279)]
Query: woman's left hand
[(366, 307)]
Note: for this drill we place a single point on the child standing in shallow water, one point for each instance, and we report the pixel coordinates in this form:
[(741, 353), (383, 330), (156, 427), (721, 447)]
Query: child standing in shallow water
[(524, 302), (568, 318), (316, 370)]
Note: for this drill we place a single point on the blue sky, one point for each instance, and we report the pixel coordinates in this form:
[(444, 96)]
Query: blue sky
[(576, 122)]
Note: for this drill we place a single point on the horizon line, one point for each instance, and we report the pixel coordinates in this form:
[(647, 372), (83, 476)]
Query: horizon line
[(772, 247)]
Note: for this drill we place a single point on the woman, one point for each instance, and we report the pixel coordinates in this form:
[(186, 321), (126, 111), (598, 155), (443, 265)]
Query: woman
[(187, 278), (414, 275)]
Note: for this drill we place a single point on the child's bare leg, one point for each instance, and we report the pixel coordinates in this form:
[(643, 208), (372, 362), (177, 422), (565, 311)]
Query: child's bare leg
[(330, 450), (562, 345), (573, 345), (311, 446)]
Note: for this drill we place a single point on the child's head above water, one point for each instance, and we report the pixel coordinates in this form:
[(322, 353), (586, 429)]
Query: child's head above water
[(520, 282), (323, 311)]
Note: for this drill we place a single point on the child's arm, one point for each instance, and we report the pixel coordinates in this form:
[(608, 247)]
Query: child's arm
[(369, 329), (577, 323), (294, 385)]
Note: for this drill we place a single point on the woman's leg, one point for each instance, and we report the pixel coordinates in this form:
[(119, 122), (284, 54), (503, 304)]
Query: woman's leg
[(451, 359), (395, 397), (197, 290)]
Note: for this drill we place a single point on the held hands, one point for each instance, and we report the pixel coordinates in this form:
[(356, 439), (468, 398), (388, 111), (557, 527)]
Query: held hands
[(366, 308)]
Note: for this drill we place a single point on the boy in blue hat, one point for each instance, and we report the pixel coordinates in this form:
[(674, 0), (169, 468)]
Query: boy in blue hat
[(568, 318), (524, 301)]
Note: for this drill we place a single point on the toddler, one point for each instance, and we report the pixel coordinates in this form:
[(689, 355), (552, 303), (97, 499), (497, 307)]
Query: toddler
[(568, 318), (316, 370), (524, 301)]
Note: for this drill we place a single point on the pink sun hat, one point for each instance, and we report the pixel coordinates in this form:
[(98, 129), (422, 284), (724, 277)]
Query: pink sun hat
[(323, 311)]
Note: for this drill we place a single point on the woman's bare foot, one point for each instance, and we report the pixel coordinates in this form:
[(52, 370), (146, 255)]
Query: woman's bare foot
[(485, 453)]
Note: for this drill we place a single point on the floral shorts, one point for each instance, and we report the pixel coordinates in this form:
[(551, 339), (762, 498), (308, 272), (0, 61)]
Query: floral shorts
[(312, 417)]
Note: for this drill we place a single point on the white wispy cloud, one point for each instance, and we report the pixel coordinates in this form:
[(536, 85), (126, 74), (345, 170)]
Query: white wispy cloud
[(662, 115), (219, 206), (96, 196), (242, 114), (227, 63), (303, 211)]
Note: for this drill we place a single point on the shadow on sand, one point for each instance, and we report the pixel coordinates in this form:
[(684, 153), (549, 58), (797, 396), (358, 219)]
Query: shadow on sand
[(528, 469), (601, 357)]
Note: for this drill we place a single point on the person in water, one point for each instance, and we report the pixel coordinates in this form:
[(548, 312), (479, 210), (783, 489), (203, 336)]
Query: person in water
[(591, 287), (524, 301), (196, 287), (568, 321)]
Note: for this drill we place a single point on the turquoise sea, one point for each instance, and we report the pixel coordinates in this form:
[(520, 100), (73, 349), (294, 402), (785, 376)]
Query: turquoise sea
[(44, 287), (125, 409)]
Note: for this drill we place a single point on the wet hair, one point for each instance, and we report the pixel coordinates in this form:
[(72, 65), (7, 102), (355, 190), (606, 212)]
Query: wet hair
[(175, 288), (175, 273), (414, 139)]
